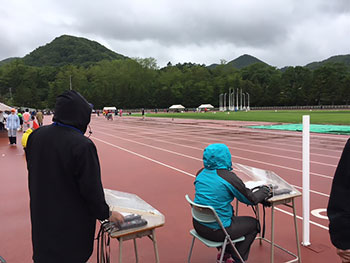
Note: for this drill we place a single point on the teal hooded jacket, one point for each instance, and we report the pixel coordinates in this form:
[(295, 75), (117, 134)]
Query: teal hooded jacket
[(217, 186)]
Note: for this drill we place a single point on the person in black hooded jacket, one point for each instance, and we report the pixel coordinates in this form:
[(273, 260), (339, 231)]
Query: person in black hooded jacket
[(338, 209), (66, 193)]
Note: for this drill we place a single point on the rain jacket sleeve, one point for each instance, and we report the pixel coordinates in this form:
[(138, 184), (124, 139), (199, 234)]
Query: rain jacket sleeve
[(89, 180), (238, 188), (338, 207)]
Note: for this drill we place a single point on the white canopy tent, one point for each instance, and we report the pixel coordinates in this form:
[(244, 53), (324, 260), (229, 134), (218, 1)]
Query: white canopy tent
[(176, 107), (206, 106), (109, 108), (4, 107)]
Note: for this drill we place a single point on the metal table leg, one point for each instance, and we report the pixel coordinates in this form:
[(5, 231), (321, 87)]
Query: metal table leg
[(296, 231), (135, 248), (155, 245), (120, 249), (272, 232), (297, 258)]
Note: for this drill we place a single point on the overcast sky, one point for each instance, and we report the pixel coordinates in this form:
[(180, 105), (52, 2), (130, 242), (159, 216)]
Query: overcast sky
[(279, 32)]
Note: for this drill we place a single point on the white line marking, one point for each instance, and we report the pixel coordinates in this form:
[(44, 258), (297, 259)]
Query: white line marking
[(317, 213), (187, 156), (189, 174), (237, 157), (296, 135), (301, 218), (144, 157)]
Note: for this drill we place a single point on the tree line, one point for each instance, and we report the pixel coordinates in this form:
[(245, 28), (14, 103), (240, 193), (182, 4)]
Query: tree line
[(139, 83)]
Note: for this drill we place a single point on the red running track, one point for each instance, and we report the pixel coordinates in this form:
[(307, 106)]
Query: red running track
[(157, 160)]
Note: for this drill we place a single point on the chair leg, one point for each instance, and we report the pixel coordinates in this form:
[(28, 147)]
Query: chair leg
[(236, 251), (223, 250), (189, 255)]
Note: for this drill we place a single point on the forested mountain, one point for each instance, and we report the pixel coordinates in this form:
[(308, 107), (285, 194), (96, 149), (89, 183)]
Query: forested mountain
[(240, 62), (7, 60), (66, 50), (345, 59), (244, 61), (106, 78)]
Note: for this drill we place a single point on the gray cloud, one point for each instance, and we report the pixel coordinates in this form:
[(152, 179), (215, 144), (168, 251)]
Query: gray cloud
[(289, 32)]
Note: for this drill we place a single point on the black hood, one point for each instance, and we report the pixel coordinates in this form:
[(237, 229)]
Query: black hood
[(72, 109)]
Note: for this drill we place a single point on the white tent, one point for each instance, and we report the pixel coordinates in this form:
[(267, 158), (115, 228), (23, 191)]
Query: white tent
[(176, 107), (206, 106), (110, 108), (4, 107)]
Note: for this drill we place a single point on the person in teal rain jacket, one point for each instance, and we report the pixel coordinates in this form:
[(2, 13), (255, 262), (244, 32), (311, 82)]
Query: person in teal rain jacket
[(217, 186)]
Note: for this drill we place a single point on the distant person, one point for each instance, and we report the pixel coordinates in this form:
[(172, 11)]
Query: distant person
[(66, 193), (121, 113), (338, 209), (217, 186), (26, 120), (143, 113), (40, 118), (20, 116), (109, 115), (34, 125), (12, 124), (2, 121)]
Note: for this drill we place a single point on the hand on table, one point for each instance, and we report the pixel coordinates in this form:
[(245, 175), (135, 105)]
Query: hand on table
[(116, 217)]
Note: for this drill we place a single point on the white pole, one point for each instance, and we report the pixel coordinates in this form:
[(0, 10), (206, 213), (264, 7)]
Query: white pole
[(70, 82), (244, 108), (306, 180), (229, 99), (241, 108), (248, 108), (233, 99), (225, 101)]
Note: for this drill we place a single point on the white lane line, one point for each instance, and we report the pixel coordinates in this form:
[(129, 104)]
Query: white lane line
[(151, 146), (144, 157), (317, 213), (242, 148), (297, 136), (301, 218), (187, 156), (189, 174), (313, 191), (236, 157)]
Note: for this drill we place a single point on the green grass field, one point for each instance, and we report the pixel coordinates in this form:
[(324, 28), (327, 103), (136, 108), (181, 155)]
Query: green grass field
[(341, 117)]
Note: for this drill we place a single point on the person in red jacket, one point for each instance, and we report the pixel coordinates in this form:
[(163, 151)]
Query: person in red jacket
[(34, 124)]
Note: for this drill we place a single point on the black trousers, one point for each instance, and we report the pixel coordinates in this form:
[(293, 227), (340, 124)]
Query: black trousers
[(13, 140), (241, 226)]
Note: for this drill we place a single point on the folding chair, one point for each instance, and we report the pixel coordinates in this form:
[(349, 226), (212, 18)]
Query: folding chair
[(207, 214)]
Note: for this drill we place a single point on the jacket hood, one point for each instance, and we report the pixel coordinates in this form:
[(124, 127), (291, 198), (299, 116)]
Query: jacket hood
[(217, 156), (72, 109)]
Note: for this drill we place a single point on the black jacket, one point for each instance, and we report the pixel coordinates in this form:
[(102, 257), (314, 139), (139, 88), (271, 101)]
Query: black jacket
[(66, 194), (339, 206)]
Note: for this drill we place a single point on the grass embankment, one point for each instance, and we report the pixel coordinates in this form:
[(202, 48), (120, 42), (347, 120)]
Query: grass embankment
[(341, 117)]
